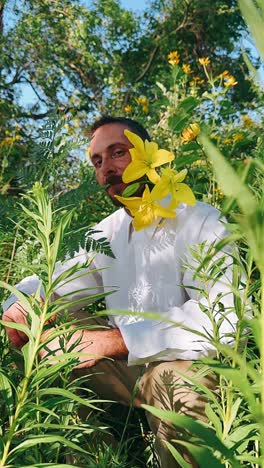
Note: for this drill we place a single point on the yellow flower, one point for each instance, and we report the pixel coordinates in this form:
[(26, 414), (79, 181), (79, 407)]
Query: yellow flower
[(247, 121), (174, 58), (145, 158), (190, 133), (238, 137), (142, 100), (10, 140), (196, 80), (171, 182), (145, 109), (128, 109), (214, 137), (198, 162), (227, 141), (187, 69), (204, 61), (145, 210), (230, 81), (219, 192), (224, 74)]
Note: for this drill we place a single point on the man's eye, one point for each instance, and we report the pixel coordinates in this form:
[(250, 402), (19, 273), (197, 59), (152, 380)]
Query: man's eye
[(97, 163), (118, 153)]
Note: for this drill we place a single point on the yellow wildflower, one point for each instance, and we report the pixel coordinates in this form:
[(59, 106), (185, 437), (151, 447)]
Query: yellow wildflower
[(145, 210), (247, 121), (224, 74), (204, 61), (145, 109), (128, 109), (190, 133), (219, 193), (198, 162), (196, 80), (174, 58), (227, 141), (187, 69), (214, 137), (142, 100), (10, 140), (171, 182), (238, 137), (145, 158), (230, 81)]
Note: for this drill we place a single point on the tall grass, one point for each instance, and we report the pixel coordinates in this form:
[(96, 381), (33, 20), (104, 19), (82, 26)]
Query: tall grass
[(39, 407)]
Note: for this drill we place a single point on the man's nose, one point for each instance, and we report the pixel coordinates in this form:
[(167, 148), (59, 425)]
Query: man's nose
[(107, 166)]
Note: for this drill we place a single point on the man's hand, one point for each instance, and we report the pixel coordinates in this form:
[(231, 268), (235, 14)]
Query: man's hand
[(16, 314), (96, 344)]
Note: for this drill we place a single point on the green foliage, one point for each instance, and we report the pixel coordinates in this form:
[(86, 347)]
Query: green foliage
[(83, 59)]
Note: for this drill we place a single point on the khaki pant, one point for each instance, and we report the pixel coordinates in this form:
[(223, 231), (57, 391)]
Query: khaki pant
[(158, 384)]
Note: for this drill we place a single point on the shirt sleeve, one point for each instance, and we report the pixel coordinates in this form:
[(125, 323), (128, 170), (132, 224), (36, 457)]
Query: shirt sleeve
[(186, 332), (83, 284)]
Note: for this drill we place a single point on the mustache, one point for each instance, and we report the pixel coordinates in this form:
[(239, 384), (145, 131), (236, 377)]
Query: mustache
[(114, 179)]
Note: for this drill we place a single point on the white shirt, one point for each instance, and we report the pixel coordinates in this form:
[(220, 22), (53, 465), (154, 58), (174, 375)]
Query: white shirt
[(148, 275)]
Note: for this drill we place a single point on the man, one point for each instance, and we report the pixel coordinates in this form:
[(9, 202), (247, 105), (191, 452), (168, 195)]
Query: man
[(148, 273)]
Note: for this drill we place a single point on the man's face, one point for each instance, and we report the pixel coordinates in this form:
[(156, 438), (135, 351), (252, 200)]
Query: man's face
[(110, 156)]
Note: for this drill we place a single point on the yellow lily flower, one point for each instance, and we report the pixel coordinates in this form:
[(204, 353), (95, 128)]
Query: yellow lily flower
[(145, 158), (171, 182), (190, 133), (145, 210)]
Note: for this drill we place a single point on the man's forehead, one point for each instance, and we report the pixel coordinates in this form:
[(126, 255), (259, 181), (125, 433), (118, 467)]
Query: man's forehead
[(110, 128), (108, 135)]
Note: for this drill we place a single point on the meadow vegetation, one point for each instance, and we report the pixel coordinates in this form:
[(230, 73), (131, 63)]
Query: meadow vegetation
[(200, 96)]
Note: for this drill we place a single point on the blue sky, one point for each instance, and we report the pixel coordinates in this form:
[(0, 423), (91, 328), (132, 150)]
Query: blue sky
[(134, 4)]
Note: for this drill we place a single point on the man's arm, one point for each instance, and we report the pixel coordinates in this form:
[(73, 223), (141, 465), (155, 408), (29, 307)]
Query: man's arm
[(83, 284), (97, 344)]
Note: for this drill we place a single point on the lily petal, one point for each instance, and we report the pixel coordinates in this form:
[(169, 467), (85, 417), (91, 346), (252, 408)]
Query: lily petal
[(152, 175), (134, 171), (161, 189), (182, 193), (180, 176), (165, 212), (162, 157), (136, 141)]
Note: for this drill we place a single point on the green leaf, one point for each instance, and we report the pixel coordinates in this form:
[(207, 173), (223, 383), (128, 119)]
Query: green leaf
[(69, 396), (229, 181), (255, 325), (43, 465), (213, 418), (203, 455), (241, 381), (18, 326), (186, 160), (177, 456), (178, 122), (196, 428), (189, 104), (130, 190), (254, 18), (6, 393), (46, 439)]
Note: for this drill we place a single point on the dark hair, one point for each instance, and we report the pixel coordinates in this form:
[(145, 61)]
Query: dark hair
[(134, 126)]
